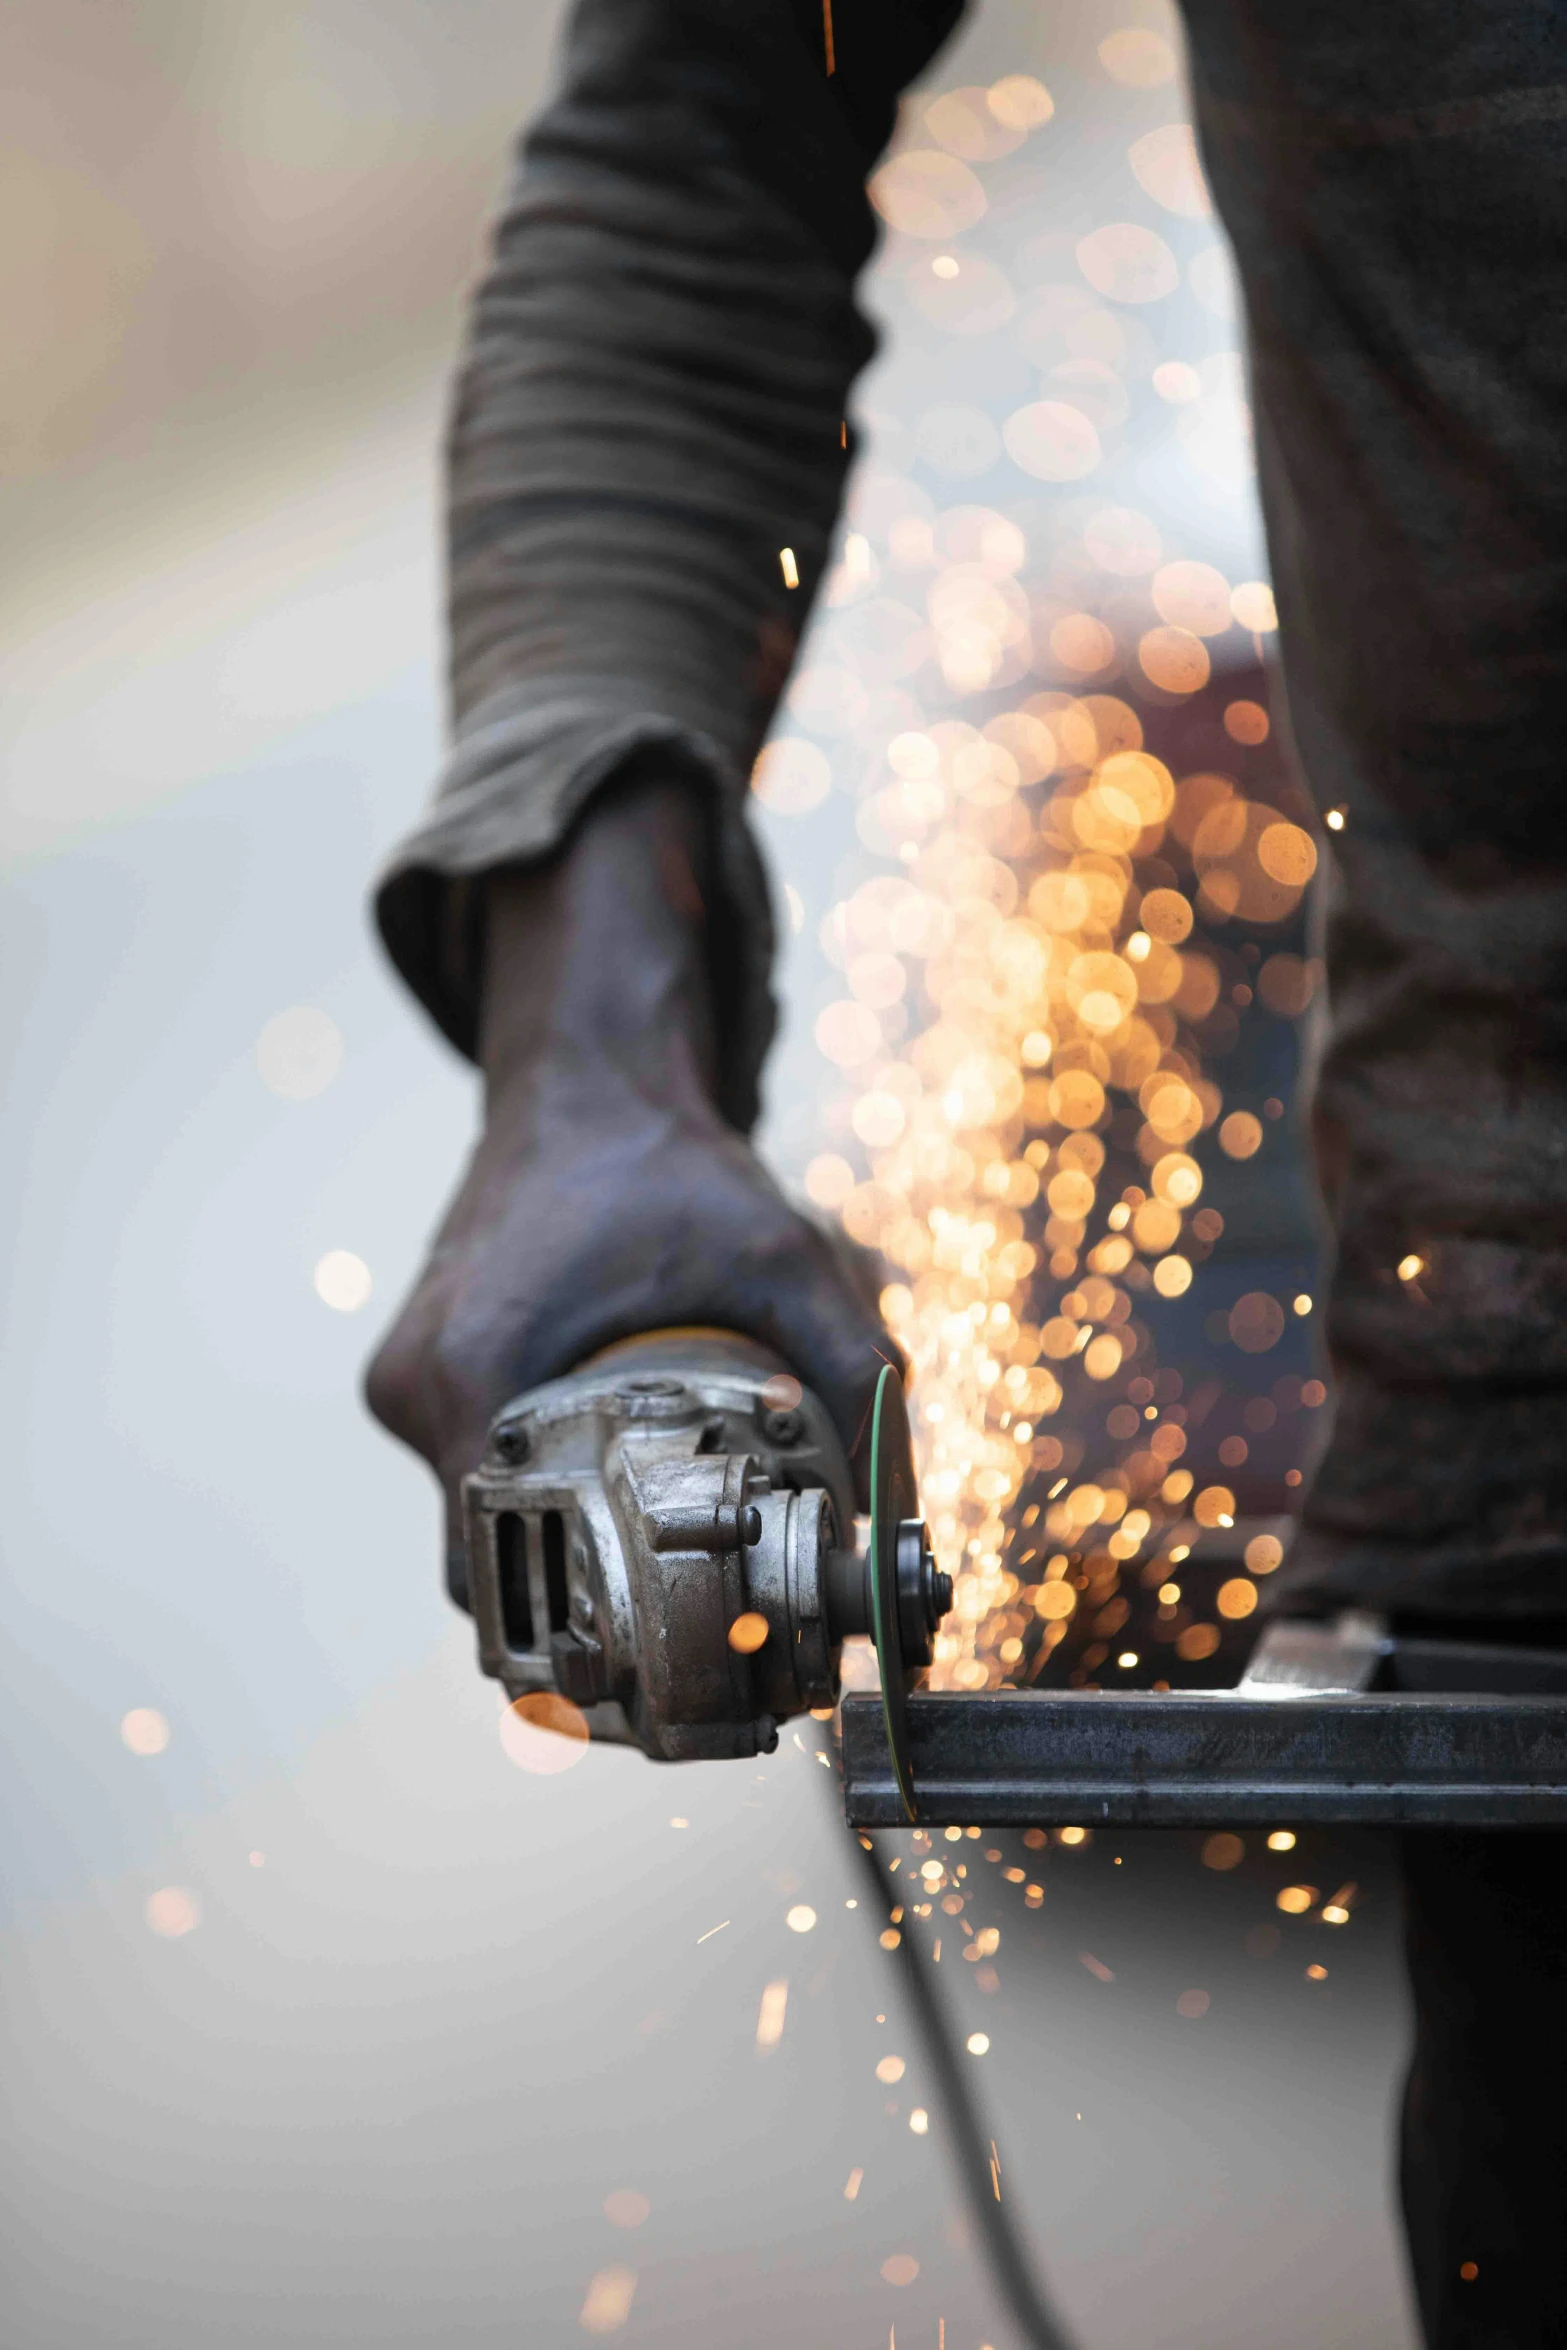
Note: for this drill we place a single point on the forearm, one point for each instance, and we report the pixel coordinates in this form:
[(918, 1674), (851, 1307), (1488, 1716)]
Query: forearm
[(597, 964), (651, 408), (661, 356)]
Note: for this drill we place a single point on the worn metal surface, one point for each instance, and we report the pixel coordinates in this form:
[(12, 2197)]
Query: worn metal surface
[(1304, 1657), (1220, 1759), (625, 1517)]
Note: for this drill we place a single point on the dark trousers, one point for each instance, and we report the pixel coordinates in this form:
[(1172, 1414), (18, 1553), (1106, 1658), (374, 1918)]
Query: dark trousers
[(1483, 2156), (1394, 179)]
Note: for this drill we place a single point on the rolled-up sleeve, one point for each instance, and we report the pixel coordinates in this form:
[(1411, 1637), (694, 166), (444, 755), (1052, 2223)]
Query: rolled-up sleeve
[(651, 407)]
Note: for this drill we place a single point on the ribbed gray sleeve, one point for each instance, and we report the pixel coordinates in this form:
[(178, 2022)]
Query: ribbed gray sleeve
[(650, 408)]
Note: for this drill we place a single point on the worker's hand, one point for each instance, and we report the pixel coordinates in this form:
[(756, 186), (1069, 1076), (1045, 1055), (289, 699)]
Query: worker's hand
[(607, 1196)]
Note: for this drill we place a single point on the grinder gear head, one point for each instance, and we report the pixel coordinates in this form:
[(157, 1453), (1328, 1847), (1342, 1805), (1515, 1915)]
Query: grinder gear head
[(666, 1537)]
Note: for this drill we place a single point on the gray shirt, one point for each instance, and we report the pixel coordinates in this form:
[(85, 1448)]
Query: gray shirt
[(651, 407)]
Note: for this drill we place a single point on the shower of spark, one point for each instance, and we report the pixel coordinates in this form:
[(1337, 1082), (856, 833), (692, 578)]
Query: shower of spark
[(1039, 969)]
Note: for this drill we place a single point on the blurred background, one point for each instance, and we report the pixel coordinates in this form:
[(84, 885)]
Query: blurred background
[(329, 2009)]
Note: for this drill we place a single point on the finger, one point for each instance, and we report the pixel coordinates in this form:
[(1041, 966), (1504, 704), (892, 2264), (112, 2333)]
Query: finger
[(836, 1341), (397, 1385), (453, 1471), (467, 1425)]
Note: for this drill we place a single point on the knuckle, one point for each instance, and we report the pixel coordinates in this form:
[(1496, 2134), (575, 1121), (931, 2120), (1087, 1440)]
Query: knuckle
[(393, 1386)]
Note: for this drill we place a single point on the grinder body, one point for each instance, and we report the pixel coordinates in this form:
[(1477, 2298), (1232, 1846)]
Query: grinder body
[(626, 1517)]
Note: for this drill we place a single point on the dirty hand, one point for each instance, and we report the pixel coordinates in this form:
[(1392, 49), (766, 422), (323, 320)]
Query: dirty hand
[(607, 1195)]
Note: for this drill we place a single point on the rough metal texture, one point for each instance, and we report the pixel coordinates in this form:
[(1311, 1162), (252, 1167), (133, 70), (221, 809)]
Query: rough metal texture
[(1225, 1759), (625, 1517)]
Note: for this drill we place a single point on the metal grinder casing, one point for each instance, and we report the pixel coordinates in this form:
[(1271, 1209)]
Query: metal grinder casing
[(624, 1517)]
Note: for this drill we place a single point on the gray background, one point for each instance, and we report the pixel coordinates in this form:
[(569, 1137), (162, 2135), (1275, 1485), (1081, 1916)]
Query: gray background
[(380, 2093)]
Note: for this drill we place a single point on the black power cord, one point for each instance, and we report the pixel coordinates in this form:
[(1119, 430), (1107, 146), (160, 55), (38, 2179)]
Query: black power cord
[(1036, 2322)]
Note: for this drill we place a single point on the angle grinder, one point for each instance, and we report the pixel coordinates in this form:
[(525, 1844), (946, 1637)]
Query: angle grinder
[(666, 1537)]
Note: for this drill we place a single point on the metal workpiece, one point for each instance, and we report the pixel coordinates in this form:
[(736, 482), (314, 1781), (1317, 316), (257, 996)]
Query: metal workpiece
[(665, 1542), (1302, 1656), (1213, 1759), (1339, 1722)]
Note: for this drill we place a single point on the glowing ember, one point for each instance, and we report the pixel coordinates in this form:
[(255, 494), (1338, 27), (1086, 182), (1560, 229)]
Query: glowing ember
[(607, 2303), (770, 2016), (144, 1730), (173, 1912), (543, 1732)]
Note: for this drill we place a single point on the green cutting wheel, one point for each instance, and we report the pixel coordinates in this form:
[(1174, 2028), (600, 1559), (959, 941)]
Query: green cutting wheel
[(909, 1595)]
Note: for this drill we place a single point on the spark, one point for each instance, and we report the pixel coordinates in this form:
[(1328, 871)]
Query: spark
[(342, 1281), (607, 2304), (770, 2016), (1020, 1014), (711, 1931), (172, 1912), (788, 566)]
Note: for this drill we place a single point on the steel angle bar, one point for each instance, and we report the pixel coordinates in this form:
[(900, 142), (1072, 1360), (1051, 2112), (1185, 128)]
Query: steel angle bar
[(1213, 1759)]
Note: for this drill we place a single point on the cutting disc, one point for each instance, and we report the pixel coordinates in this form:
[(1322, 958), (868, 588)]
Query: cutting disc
[(893, 1499)]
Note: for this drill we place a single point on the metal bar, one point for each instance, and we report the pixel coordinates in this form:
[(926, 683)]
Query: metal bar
[(1213, 1759)]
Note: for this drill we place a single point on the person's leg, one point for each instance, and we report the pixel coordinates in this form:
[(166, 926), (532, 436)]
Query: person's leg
[(1484, 2157)]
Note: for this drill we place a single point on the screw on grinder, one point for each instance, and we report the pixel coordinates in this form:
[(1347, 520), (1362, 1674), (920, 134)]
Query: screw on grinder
[(666, 1537)]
